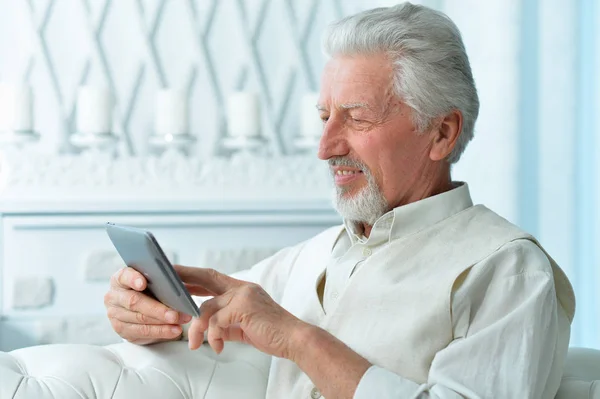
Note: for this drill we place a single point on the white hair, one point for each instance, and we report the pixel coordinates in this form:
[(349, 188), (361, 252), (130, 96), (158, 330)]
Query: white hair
[(432, 71)]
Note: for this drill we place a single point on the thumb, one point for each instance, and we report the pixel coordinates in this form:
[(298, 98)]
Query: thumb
[(195, 335), (210, 279)]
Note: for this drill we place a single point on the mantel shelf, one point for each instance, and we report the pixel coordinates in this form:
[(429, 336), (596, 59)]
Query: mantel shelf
[(29, 181)]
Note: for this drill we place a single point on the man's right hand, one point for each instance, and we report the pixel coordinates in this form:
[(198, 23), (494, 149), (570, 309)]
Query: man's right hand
[(137, 317)]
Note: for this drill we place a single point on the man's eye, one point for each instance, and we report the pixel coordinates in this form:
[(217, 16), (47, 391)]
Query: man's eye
[(324, 119)]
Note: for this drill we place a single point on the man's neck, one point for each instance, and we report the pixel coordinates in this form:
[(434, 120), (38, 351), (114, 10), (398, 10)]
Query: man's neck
[(429, 190)]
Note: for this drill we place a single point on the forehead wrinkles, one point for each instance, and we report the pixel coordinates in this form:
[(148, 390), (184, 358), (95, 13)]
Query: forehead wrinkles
[(367, 84)]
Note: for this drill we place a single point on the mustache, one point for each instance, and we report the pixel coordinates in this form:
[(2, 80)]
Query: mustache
[(349, 162)]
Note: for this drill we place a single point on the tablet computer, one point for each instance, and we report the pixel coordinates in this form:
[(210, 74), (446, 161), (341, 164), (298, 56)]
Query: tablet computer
[(139, 249)]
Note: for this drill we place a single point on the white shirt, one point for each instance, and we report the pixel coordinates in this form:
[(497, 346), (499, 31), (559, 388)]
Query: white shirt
[(533, 330), (511, 334)]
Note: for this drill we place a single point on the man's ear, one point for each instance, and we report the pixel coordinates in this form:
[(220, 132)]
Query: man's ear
[(445, 135)]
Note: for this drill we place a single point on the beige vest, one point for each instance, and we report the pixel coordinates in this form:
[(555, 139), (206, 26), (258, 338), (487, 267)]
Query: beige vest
[(396, 308)]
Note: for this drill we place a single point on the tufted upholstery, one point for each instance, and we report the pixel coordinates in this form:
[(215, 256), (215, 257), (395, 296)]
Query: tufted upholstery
[(170, 370), (127, 371), (581, 377)]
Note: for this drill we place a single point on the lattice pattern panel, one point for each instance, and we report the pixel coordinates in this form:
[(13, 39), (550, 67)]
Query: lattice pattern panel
[(208, 48)]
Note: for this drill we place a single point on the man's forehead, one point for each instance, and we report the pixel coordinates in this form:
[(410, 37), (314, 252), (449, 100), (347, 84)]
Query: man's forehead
[(350, 83), (351, 96)]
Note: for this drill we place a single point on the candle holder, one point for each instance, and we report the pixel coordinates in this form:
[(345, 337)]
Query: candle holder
[(16, 115), (93, 133), (18, 138), (94, 142), (311, 126), (172, 142), (244, 125), (255, 145)]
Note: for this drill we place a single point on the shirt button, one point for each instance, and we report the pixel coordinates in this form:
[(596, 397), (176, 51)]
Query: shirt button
[(367, 251), (315, 394), (334, 295)]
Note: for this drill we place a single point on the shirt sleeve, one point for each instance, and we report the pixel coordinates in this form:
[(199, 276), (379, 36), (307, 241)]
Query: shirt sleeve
[(510, 335)]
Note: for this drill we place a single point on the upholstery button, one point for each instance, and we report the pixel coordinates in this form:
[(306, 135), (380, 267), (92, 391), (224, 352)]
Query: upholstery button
[(315, 394), (367, 251)]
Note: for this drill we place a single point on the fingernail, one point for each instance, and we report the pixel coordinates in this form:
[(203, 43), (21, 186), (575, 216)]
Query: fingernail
[(185, 317), (175, 330), (138, 283), (171, 316)]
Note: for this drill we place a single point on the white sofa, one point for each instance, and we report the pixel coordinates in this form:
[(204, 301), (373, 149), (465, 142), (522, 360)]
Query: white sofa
[(127, 371), (170, 370)]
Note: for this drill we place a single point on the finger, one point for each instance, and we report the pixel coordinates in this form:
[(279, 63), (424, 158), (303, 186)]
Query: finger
[(209, 308), (146, 332), (215, 339), (127, 316), (198, 290), (195, 335), (209, 279), (140, 303), (221, 328), (128, 278)]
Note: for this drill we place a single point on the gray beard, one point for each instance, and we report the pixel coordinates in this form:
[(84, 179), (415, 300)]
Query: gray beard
[(365, 206)]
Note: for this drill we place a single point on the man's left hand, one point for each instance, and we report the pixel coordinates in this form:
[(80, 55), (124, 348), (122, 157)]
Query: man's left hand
[(239, 311)]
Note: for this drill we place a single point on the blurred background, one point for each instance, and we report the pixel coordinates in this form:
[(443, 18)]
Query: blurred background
[(150, 75)]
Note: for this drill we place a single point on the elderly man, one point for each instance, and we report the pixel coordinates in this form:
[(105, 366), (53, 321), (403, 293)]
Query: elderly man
[(420, 293)]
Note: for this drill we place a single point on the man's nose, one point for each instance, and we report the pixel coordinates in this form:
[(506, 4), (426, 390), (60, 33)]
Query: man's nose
[(333, 142)]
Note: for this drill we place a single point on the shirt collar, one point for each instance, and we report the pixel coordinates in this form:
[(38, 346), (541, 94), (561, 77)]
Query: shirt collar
[(410, 218)]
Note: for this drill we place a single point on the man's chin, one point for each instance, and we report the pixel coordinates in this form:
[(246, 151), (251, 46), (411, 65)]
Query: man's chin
[(349, 191), (360, 204)]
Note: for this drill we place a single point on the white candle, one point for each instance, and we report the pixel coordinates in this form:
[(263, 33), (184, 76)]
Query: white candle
[(171, 113), (16, 108), (94, 110), (243, 115), (310, 121)]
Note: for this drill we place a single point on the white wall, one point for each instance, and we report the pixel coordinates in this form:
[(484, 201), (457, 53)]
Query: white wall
[(138, 50), (532, 159)]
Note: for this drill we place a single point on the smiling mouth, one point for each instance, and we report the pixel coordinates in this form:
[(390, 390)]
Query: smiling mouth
[(347, 172), (344, 177)]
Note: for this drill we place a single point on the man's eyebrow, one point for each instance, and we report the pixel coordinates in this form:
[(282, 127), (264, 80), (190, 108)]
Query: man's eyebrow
[(354, 105), (345, 106)]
